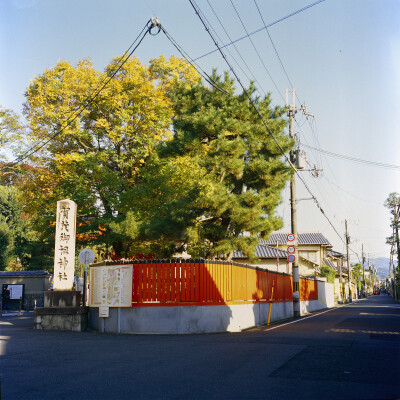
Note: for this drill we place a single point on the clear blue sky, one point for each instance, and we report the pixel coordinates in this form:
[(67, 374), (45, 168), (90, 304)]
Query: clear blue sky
[(342, 57)]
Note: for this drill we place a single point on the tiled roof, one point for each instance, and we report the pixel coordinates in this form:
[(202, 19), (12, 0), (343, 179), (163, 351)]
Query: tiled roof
[(24, 273), (303, 238), (263, 251), (329, 263), (334, 253)]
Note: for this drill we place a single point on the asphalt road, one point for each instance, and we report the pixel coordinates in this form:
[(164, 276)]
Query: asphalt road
[(350, 352)]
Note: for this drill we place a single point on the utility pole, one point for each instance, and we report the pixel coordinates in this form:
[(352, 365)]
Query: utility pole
[(396, 222), (293, 207), (363, 262), (341, 279), (294, 159), (348, 262)]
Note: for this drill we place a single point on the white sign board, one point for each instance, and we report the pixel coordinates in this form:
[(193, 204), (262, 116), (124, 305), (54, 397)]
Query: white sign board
[(111, 286), (16, 291), (86, 256), (104, 311), (64, 256)]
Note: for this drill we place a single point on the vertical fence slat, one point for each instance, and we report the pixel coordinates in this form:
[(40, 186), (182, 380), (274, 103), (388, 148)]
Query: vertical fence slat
[(159, 282), (193, 281)]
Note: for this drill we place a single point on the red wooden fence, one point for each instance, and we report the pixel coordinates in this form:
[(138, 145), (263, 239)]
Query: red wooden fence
[(199, 282)]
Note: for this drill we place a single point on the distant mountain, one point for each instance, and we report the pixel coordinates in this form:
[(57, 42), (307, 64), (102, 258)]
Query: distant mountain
[(382, 266)]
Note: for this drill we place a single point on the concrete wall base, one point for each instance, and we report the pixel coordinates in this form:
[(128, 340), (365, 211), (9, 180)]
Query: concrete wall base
[(61, 318), (188, 319)]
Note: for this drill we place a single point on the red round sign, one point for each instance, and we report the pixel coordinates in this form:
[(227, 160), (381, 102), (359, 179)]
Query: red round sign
[(291, 249), (291, 258), (290, 237)]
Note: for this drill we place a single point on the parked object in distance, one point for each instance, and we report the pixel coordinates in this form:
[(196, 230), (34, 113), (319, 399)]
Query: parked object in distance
[(376, 291)]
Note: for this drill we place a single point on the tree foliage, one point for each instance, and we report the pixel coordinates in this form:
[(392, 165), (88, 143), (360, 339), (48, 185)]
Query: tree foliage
[(328, 273), (393, 204), (94, 154), (155, 160), (229, 172), (16, 237)]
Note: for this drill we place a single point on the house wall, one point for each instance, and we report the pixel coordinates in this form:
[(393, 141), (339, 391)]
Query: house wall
[(326, 298), (270, 264), (305, 269)]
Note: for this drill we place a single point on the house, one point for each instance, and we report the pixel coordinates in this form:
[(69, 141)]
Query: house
[(272, 253), (312, 248), (338, 262), (271, 258)]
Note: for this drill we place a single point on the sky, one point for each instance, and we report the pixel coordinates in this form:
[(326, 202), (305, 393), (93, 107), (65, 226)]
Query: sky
[(341, 56)]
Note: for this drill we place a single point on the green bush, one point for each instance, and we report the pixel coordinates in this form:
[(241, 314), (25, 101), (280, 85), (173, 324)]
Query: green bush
[(328, 273)]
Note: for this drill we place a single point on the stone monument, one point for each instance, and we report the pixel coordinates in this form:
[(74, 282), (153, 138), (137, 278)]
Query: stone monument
[(62, 306)]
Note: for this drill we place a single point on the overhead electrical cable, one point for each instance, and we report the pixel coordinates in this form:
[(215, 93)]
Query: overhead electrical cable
[(237, 50), (353, 159), (220, 39), (261, 29), (196, 9), (190, 61), (146, 29), (286, 73), (257, 52), (273, 44)]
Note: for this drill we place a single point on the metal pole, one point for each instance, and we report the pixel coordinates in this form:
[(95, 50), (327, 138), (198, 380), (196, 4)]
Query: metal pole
[(277, 255), (348, 263), (293, 208), (270, 304), (84, 287), (341, 280), (363, 262)]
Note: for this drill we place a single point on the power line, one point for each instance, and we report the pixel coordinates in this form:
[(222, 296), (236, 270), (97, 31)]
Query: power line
[(196, 9), (260, 29), (273, 44), (190, 61), (227, 34), (255, 49), (353, 159)]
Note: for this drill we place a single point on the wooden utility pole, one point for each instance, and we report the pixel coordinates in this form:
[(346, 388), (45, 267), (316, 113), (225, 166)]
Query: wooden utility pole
[(348, 262), (363, 262), (396, 222), (293, 208)]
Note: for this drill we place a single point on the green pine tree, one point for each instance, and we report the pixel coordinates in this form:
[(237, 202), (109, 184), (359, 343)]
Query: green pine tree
[(226, 170)]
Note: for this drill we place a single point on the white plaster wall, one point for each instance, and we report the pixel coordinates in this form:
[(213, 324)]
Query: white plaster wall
[(309, 306), (326, 299)]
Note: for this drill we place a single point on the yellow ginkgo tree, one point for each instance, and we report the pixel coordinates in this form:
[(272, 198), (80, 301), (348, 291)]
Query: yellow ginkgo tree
[(92, 133)]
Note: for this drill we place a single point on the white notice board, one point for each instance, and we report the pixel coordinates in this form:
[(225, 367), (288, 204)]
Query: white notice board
[(16, 291), (110, 286)]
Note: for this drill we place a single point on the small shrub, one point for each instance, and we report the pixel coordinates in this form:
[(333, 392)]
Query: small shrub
[(328, 273)]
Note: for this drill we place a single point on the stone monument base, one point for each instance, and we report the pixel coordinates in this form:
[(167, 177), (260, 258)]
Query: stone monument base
[(61, 318), (62, 298), (62, 311)]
